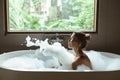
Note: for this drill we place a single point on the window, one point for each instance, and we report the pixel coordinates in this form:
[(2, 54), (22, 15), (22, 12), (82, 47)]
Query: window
[(51, 15)]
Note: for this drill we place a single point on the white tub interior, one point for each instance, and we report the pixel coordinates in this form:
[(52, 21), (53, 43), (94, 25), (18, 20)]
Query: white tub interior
[(109, 61)]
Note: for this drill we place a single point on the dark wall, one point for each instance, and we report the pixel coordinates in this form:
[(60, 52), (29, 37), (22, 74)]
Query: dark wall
[(106, 39)]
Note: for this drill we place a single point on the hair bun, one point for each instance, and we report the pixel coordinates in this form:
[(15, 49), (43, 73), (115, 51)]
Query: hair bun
[(87, 36)]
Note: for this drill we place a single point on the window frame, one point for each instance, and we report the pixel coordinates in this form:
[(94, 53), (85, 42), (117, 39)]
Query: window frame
[(6, 9)]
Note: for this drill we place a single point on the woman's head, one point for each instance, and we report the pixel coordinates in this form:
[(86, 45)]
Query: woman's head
[(78, 39)]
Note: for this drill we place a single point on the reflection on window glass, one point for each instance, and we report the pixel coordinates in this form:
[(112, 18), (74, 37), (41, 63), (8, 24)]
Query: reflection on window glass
[(51, 15)]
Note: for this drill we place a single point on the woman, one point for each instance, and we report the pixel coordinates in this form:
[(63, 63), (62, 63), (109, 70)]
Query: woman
[(78, 42)]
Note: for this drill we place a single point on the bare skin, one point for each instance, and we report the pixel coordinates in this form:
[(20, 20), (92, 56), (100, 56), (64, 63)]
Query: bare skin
[(77, 42)]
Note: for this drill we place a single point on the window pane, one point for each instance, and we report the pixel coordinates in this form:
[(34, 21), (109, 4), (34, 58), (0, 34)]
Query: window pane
[(51, 15)]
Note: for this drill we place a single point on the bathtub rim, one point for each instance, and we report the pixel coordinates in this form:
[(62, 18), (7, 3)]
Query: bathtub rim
[(61, 71)]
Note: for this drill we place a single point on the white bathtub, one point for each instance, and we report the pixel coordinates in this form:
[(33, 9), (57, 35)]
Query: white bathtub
[(9, 74)]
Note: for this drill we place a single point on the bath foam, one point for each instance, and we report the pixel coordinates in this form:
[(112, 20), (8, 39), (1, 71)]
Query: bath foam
[(50, 61), (114, 65), (56, 49), (56, 57), (102, 62), (22, 63), (65, 58)]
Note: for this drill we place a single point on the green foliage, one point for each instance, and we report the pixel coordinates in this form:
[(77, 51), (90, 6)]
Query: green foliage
[(76, 15)]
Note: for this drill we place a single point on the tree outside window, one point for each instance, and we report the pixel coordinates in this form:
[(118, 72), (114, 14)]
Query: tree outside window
[(51, 15)]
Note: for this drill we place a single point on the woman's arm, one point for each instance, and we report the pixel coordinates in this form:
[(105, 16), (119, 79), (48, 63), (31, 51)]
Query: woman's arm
[(76, 63)]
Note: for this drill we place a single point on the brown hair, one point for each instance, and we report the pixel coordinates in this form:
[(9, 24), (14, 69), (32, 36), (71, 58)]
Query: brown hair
[(81, 38)]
